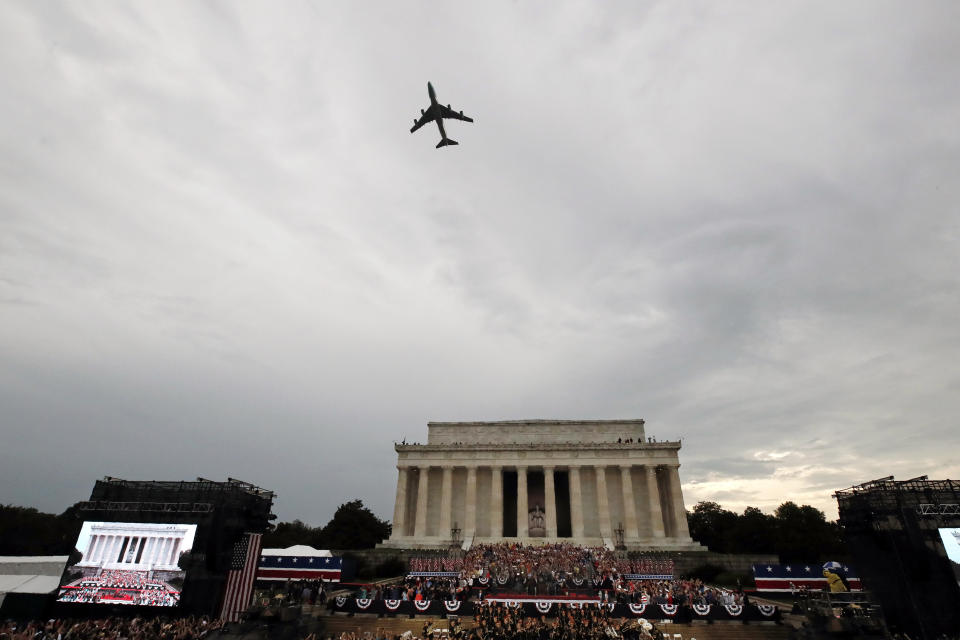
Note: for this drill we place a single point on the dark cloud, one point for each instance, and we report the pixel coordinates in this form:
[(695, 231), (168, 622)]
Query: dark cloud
[(221, 253)]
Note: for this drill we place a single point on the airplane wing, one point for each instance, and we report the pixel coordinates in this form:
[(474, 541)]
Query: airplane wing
[(447, 112), (429, 116)]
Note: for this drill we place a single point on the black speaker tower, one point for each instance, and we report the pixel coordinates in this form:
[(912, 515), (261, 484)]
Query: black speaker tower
[(222, 511), (892, 528)]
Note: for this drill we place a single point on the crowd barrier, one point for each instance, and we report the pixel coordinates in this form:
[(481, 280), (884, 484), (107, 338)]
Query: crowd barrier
[(534, 607)]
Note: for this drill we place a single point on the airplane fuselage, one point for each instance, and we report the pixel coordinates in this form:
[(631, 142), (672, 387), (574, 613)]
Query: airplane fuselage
[(435, 106)]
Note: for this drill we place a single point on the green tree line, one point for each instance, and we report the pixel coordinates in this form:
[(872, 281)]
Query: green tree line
[(353, 526), (795, 533), (24, 531)]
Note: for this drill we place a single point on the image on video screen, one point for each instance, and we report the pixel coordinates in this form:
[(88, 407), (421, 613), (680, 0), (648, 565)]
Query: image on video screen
[(951, 543), (133, 563)]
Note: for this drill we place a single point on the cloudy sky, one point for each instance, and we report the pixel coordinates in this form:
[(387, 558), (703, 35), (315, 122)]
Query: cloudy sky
[(223, 254)]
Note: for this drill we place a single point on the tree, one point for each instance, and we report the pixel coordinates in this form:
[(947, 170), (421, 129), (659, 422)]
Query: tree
[(712, 525), (353, 526), (796, 533), (288, 534), (25, 531), (755, 532), (804, 535)]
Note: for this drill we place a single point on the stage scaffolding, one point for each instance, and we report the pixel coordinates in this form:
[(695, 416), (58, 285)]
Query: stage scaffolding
[(222, 511), (892, 528)]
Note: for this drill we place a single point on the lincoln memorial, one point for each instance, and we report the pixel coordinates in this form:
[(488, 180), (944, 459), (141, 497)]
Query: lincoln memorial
[(592, 482)]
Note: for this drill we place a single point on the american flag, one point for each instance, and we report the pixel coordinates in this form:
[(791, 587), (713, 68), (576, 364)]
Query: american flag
[(243, 568)]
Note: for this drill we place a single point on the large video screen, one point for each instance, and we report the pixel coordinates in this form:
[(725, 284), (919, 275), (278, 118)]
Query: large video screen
[(951, 542), (133, 563)]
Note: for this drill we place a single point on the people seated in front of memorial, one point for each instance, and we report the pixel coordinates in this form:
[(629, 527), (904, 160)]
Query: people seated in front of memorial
[(547, 569), (436, 563), (498, 622)]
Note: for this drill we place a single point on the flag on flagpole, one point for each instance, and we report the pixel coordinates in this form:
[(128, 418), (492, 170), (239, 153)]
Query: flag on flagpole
[(243, 568)]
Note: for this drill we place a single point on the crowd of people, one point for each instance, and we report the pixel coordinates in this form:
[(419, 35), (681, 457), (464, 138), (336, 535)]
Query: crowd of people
[(413, 588), (292, 592), (499, 622), (187, 628), (548, 569), (552, 570), (126, 587), (153, 596)]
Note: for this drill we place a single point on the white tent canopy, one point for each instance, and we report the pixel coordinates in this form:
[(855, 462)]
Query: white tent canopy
[(299, 550), (30, 574), (28, 584)]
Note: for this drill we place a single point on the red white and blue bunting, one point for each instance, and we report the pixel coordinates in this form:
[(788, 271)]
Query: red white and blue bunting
[(543, 606)]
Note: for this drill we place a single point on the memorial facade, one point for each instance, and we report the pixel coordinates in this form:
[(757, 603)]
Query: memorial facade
[(591, 482)]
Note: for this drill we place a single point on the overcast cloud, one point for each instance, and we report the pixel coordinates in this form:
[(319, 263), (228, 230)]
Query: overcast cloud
[(223, 254)]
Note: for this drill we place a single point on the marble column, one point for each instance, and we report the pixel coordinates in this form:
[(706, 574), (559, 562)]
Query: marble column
[(420, 527), (523, 510), (147, 550), (446, 502), (175, 556), (470, 503), (653, 491), (91, 554), (681, 528), (400, 506), (550, 502), (496, 502), (576, 503), (603, 502), (110, 554), (155, 552), (629, 509)]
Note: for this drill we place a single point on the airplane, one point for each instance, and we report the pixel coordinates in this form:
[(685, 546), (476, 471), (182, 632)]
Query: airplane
[(438, 112)]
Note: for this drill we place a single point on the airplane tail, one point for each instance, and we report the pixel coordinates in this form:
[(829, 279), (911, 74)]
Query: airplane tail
[(445, 142)]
